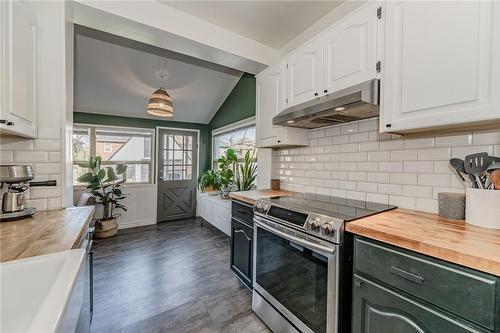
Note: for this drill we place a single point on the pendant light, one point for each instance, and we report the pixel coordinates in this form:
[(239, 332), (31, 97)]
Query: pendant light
[(160, 103)]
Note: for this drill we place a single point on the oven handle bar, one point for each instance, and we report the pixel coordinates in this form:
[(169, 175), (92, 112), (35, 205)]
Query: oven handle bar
[(303, 242)]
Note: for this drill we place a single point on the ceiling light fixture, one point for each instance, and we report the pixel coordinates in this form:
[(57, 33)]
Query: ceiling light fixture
[(340, 108), (160, 102)]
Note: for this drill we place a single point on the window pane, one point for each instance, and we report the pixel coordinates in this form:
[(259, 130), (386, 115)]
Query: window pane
[(123, 145), (188, 157), (188, 142), (178, 172), (77, 172), (81, 144), (188, 172), (240, 141), (178, 142)]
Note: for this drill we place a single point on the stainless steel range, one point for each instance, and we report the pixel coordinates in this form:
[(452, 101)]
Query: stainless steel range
[(301, 262)]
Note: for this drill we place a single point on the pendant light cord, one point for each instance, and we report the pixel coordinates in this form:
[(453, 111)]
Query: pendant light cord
[(163, 73)]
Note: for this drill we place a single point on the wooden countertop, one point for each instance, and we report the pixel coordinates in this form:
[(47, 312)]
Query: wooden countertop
[(450, 240), (251, 196), (45, 232)]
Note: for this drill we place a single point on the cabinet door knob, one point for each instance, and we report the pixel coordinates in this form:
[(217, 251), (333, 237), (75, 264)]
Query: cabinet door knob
[(315, 94), (279, 141), (3, 121), (325, 91), (10, 123)]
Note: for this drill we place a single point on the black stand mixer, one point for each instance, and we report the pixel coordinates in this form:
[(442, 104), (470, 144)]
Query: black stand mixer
[(17, 179)]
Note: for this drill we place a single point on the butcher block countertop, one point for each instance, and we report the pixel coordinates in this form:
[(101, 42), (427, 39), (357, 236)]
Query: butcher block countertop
[(251, 196), (450, 240), (45, 232)]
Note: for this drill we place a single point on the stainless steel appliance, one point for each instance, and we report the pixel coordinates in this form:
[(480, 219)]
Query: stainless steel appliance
[(301, 267), (350, 104), (18, 180)]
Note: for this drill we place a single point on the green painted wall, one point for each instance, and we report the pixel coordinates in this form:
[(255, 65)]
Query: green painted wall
[(240, 103), (205, 139)]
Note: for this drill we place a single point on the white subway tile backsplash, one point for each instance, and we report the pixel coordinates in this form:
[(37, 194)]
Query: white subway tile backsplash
[(15, 143), (368, 125), (404, 178), (362, 163), (419, 167), (419, 143), (390, 166), (47, 168), (486, 137), (31, 156), (417, 191), (403, 202), (454, 140), (379, 198), (461, 152), (349, 128), (433, 179), (404, 155), (434, 154), (45, 192), (6, 156), (48, 145), (392, 189), (49, 133), (369, 146)]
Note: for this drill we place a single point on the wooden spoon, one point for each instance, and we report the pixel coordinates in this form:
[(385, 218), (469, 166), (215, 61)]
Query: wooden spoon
[(495, 178)]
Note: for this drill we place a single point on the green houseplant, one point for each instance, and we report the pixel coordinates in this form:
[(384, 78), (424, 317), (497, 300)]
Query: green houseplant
[(209, 182), (227, 165), (246, 172), (105, 184)]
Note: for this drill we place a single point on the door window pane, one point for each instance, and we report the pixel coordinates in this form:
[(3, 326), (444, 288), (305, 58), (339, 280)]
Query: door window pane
[(177, 157)]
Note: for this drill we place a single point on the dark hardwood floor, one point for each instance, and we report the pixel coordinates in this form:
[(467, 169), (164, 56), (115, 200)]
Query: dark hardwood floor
[(170, 277)]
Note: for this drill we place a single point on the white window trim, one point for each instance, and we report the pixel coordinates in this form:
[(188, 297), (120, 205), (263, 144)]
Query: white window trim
[(93, 151), (247, 122)]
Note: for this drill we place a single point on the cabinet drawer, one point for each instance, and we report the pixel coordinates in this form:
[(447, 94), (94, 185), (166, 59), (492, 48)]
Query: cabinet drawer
[(382, 310), (242, 211), (464, 292)]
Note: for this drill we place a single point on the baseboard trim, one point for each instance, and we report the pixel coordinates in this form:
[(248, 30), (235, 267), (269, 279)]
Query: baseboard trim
[(134, 224)]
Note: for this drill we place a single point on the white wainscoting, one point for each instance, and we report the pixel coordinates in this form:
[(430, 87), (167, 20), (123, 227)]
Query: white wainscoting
[(141, 203)]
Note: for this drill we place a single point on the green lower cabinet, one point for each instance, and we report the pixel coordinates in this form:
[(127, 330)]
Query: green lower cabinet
[(377, 309)]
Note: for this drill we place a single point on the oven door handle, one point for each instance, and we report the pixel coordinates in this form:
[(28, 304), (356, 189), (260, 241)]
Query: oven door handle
[(303, 242)]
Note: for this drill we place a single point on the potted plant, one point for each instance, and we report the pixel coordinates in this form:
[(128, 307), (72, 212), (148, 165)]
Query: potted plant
[(209, 182), (105, 184), (246, 172), (227, 165)]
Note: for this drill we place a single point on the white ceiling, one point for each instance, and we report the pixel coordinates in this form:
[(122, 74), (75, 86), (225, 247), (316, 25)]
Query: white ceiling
[(273, 23), (116, 76)]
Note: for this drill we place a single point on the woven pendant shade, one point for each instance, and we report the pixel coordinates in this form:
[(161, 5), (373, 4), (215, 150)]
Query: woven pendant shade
[(160, 104)]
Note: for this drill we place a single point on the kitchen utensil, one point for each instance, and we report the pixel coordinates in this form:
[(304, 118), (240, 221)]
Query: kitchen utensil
[(495, 179), (458, 165), (16, 173), (476, 164)]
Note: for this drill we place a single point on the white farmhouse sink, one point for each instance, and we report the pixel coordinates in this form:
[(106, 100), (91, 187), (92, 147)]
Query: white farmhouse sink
[(34, 292)]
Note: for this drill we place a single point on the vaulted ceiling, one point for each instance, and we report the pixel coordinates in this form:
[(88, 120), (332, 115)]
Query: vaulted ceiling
[(273, 23), (116, 76)]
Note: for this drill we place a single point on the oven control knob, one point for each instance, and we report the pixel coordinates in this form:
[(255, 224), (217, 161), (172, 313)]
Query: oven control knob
[(315, 224), (328, 229)]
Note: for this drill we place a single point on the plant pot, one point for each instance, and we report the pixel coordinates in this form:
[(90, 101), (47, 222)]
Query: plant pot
[(106, 228), (224, 192), (212, 193)]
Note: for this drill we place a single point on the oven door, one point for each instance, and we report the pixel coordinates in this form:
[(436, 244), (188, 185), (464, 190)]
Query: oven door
[(297, 275)]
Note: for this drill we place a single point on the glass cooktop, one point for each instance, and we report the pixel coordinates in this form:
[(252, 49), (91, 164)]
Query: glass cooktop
[(335, 207)]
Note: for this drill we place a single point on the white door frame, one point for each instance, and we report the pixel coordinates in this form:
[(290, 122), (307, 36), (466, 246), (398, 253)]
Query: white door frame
[(158, 128)]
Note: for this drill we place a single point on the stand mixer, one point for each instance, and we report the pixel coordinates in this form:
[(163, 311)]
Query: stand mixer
[(17, 180)]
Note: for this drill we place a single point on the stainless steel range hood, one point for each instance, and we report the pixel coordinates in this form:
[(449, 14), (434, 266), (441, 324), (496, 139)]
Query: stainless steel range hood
[(354, 103)]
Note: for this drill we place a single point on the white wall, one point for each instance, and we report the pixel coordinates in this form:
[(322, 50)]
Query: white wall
[(355, 161), (45, 152), (141, 203)]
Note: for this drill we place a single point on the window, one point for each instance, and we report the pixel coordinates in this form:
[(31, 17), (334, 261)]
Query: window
[(130, 146), (239, 138), (177, 157)]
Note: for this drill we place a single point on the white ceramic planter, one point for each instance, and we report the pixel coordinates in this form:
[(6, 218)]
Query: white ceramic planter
[(482, 208)]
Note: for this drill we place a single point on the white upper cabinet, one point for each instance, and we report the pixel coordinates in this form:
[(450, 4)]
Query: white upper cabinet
[(269, 103), (304, 73), (350, 50), (441, 64), (19, 69)]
